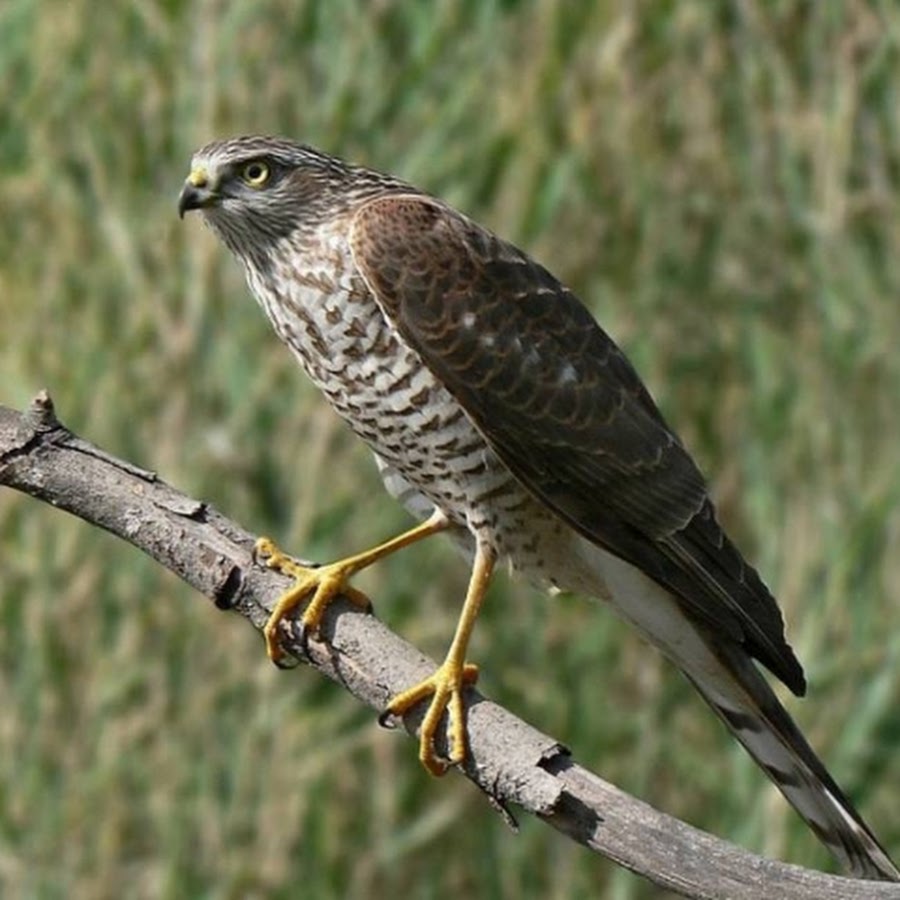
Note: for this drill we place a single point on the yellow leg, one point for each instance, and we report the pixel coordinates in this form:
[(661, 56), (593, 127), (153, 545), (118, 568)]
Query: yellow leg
[(324, 583), (446, 684)]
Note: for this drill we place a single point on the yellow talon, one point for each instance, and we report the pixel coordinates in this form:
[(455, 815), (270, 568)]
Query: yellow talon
[(323, 583), (446, 685), (445, 688)]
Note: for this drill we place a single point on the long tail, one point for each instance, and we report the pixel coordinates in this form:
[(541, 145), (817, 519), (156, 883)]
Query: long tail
[(727, 678), (746, 703)]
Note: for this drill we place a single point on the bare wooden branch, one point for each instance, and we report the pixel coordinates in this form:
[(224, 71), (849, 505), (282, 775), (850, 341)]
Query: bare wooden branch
[(510, 761)]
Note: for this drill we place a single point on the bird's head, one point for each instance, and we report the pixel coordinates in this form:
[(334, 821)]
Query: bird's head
[(254, 191)]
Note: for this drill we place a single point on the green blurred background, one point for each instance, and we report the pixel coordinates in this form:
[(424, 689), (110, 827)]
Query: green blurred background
[(717, 179)]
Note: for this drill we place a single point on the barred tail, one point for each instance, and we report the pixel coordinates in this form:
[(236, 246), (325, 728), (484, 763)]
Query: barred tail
[(725, 675), (746, 703)]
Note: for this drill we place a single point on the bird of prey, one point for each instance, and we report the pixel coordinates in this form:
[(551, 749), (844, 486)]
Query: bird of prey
[(500, 412)]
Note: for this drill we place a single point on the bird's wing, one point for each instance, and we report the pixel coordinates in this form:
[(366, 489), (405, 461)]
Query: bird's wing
[(562, 407)]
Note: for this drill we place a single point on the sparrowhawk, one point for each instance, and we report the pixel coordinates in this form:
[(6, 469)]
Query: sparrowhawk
[(499, 411)]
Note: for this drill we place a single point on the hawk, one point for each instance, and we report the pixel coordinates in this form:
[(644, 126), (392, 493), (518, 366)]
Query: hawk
[(500, 412)]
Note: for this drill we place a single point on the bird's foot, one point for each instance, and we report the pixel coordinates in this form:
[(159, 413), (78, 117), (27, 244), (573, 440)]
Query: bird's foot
[(322, 584), (445, 688)]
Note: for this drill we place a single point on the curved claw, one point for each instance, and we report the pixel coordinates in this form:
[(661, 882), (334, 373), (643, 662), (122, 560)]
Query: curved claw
[(327, 582), (286, 661), (323, 583), (445, 688)]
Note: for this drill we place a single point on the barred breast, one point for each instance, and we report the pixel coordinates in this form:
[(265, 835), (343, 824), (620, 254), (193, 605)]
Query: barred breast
[(428, 452)]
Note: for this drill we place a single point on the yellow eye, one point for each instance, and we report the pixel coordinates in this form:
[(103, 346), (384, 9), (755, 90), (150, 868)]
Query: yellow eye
[(255, 173)]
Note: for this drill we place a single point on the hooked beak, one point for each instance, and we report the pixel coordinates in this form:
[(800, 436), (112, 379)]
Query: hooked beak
[(198, 192)]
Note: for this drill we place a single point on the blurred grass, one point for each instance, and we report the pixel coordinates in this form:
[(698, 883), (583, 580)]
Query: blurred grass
[(719, 180)]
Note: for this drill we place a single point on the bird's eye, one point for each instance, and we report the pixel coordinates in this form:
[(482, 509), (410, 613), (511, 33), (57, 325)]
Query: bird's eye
[(255, 174)]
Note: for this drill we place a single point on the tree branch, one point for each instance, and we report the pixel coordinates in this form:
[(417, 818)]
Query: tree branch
[(509, 760)]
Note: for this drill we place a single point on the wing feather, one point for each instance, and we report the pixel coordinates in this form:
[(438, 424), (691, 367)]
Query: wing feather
[(563, 408)]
